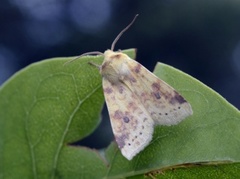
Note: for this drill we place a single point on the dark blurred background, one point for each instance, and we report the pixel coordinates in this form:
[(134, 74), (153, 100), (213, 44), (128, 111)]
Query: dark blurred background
[(200, 37)]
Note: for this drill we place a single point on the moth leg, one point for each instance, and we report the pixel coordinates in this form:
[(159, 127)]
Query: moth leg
[(94, 64)]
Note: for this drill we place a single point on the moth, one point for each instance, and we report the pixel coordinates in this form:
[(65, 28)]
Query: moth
[(137, 100)]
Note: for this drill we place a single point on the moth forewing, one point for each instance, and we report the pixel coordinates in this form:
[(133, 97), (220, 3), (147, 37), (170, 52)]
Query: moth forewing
[(131, 124), (164, 104)]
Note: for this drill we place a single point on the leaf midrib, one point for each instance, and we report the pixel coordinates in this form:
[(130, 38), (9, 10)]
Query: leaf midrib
[(80, 102)]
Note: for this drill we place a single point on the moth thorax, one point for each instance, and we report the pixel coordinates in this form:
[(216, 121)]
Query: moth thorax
[(114, 67), (109, 73)]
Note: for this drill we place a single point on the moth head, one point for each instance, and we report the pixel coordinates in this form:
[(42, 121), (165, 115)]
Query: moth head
[(114, 67), (109, 55)]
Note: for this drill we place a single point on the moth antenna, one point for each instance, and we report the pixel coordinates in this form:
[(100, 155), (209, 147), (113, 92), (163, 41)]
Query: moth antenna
[(120, 34), (84, 54)]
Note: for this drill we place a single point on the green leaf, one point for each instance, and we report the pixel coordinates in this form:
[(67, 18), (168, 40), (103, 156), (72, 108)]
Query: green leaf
[(47, 106), (196, 171), (44, 107)]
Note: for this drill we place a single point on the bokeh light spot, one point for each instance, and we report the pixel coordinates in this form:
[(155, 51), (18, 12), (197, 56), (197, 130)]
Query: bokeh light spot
[(90, 15)]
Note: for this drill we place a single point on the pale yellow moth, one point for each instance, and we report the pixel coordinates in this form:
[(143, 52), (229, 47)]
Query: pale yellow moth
[(137, 100)]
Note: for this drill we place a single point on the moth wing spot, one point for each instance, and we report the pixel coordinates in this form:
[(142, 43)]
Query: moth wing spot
[(118, 114), (177, 98), (133, 80), (138, 68), (121, 140), (157, 95), (156, 87), (126, 119), (120, 89), (108, 90)]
